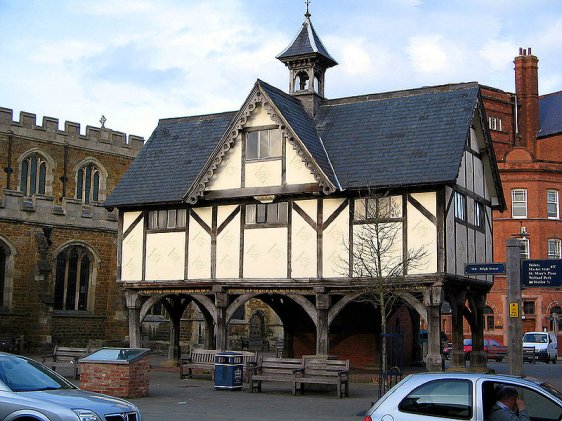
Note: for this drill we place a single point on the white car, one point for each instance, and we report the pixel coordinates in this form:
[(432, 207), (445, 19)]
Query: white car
[(31, 391), (461, 396)]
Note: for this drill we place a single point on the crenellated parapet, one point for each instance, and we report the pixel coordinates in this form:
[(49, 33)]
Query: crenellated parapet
[(38, 209), (96, 138)]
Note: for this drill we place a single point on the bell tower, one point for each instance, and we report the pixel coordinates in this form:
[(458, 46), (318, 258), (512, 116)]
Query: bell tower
[(307, 60)]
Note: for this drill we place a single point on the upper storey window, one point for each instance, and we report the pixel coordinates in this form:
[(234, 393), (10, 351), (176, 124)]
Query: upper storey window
[(495, 123), (519, 203), (384, 207), (267, 213), (263, 144), (167, 219), (552, 204), (33, 175), (88, 183), (460, 206)]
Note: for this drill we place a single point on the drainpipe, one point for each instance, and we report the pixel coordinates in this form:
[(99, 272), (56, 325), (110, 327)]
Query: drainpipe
[(8, 169)]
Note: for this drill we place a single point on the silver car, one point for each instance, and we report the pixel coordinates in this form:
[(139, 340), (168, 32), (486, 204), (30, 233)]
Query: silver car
[(31, 391), (461, 396)]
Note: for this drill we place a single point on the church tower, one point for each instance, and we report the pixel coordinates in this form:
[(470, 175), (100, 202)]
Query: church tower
[(307, 60)]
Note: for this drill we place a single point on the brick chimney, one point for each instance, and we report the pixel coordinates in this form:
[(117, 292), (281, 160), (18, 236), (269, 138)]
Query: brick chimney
[(527, 91)]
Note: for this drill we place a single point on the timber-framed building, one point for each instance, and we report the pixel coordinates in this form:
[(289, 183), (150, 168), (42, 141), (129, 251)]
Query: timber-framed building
[(264, 202)]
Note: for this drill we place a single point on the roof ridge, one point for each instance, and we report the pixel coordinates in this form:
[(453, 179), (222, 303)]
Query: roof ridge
[(197, 117), (401, 93)]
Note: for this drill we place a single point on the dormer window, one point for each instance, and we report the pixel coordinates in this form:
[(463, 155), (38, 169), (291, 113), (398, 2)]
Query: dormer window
[(263, 144)]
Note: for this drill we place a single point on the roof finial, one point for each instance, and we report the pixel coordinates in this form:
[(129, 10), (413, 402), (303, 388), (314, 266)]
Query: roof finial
[(307, 14)]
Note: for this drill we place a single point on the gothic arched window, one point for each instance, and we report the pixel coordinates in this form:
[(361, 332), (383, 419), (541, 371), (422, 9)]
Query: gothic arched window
[(3, 272), (88, 183), (73, 278), (33, 175)]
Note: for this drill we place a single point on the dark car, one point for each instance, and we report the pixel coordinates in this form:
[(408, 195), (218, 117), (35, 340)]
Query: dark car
[(493, 349), (31, 391)]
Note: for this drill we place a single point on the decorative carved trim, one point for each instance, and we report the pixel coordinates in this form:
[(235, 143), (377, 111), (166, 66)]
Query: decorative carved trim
[(255, 99)]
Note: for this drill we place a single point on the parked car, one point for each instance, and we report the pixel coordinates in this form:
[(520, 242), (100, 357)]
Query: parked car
[(31, 391), (545, 345), (493, 349), (466, 396)]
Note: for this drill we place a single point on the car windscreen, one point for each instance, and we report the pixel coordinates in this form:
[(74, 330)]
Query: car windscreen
[(23, 375), (538, 338)]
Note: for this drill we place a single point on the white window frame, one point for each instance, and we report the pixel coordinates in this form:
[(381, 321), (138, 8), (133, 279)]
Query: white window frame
[(460, 206), (519, 203), (267, 213), (479, 212), (552, 203), (554, 248), (266, 148)]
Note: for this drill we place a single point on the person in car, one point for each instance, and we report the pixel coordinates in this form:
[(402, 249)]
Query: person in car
[(509, 407)]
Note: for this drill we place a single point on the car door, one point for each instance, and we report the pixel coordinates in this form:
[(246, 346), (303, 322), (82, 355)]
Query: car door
[(540, 405), (448, 398)]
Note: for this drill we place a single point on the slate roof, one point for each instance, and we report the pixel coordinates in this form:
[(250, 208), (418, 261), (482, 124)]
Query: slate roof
[(392, 140), (305, 43), (550, 114), (405, 138), (170, 160), (302, 124)]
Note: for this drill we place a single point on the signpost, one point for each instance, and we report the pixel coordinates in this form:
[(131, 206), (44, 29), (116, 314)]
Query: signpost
[(541, 273), (513, 253), (484, 268)]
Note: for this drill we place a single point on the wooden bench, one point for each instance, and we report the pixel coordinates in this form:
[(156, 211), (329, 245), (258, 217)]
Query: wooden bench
[(204, 359), (324, 371), (198, 359), (274, 370), (66, 357)]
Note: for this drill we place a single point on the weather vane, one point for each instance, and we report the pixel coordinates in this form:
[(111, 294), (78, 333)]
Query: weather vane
[(103, 120), (307, 14)]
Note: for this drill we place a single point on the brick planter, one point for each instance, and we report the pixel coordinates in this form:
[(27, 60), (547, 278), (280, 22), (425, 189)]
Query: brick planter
[(116, 378)]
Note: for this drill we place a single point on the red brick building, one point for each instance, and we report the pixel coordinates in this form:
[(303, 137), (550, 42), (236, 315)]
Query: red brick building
[(57, 243), (527, 132)]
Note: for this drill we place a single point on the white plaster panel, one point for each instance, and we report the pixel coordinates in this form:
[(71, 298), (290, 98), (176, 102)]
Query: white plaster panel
[(224, 212), (199, 252), (461, 248), (165, 256), (229, 173), (310, 207), (469, 160), (263, 173), (206, 214), (329, 206), (427, 200), (335, 255), (471, 246), (392, 243), (259, 117), (303, 245), (265, 253), (131, 254), (481, 247), (470, 210), (296, 170), (129, 218), (228, 249), (479, 177), (422, 235), (450, 237), (461, 177)]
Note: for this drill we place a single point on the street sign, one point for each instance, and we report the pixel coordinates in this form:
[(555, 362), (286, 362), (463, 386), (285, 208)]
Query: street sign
[(513, 310), (541, 273), (484, 268)]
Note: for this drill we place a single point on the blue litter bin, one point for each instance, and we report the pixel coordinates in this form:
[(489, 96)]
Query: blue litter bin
[(229, 371)]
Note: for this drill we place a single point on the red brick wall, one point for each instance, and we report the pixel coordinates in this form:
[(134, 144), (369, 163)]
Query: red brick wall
[(121, 380)]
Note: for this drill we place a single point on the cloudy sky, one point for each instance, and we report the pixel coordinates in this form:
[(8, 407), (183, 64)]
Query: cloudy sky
[(136, 61)]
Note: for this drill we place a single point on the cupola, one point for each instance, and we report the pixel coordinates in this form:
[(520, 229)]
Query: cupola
[(307, 60)]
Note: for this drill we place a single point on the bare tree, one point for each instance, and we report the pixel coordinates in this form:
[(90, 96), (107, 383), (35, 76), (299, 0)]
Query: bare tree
[(379, 258)]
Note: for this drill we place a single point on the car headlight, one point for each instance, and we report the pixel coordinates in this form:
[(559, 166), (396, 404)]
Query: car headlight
[(86, 415)]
